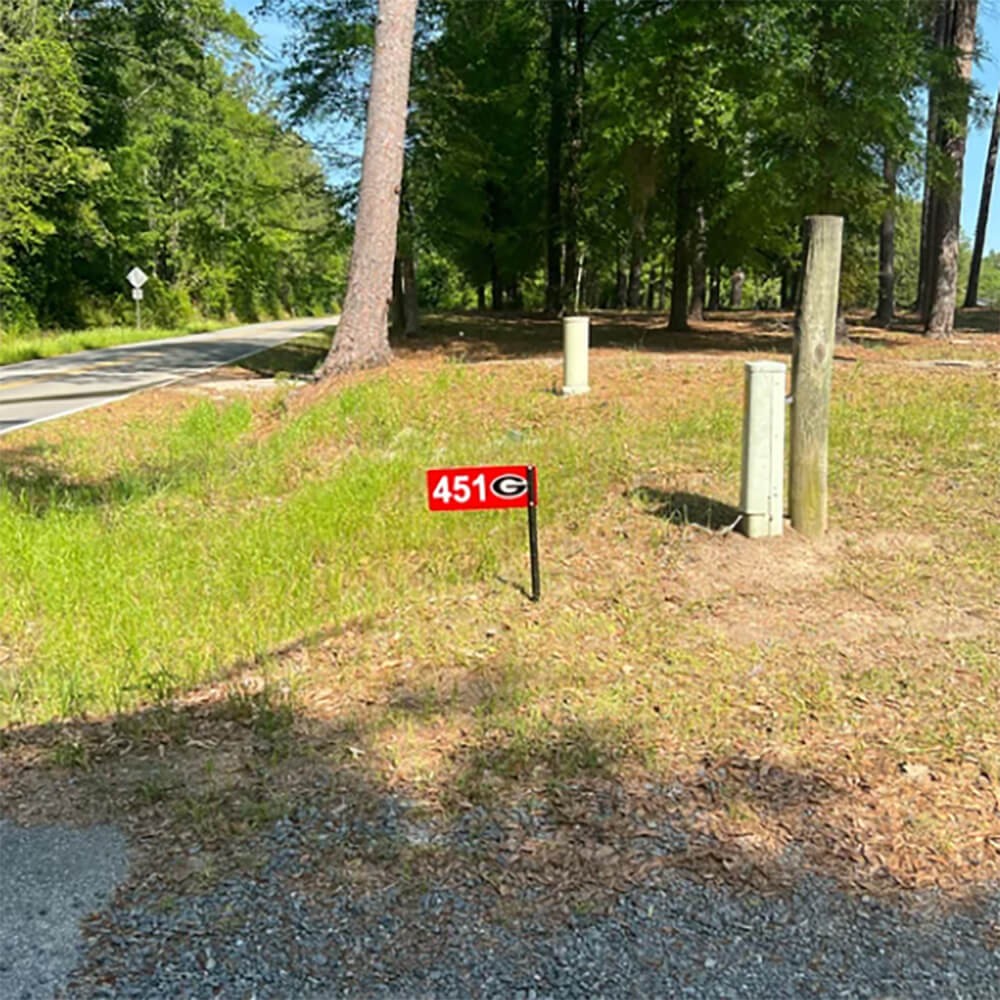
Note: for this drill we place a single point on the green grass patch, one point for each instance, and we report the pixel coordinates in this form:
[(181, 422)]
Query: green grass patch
[(193, 546), (15, 348)]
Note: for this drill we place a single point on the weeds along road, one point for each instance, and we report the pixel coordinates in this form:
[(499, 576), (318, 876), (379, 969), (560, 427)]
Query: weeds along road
[(36, 391)]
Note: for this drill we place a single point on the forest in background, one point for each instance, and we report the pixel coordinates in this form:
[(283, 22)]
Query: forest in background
[(634, 153), (561, 154), (138, 132)]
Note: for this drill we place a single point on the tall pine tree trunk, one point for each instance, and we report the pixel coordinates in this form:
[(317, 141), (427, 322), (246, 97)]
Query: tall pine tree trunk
[(362, 336), (411, 306), (496, 285), (715, 288), (942, 285), (887, 249), (972, 292), (941, 30), (682, 257), (636, 243), (397, 318), (553, 157), (679, 284), (574, 155), (736, 280), (696, 310), (621, 282)]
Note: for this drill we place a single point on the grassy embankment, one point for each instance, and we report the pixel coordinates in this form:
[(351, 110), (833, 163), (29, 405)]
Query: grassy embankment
[(286, 555)]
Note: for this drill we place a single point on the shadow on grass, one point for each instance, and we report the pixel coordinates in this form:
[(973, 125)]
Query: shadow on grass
[(479, 337), (967, 321), (211, 775), (525, 815), (299, 357), (30, 478), (681, 508)]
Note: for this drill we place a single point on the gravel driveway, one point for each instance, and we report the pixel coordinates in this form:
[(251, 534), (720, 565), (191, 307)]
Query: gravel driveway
[(288, 928)]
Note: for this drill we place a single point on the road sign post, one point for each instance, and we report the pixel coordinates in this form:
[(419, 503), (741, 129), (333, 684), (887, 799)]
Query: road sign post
[(490, 487), (137, 298), (137, 278)]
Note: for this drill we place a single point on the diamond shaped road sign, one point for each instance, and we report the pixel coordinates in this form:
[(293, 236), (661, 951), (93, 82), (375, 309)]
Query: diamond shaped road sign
[(137, 277)]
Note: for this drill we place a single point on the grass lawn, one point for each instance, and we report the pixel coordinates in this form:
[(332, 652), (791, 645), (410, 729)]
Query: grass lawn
[(53, 344), (212, 595)]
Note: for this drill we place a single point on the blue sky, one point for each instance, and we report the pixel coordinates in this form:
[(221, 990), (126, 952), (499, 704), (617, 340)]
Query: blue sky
[(987, 75)]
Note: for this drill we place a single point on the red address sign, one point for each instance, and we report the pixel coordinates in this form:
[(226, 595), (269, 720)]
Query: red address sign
[(481, 487)]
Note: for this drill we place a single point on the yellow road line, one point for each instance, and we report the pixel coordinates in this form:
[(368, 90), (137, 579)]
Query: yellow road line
[(53, 376)]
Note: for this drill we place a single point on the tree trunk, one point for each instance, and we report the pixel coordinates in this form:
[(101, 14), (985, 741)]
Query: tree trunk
[(621, 283), (634, 294), (574, 154), (972, 292), (928, 212), (661, 288), (887, 250), (696, 310), (411, 307), (682, 230), (943, 278), (481, 298), (736, 280), (362, 336), (553, 156), (397, 319), (496, 286), (578, 287), (715, 289), (679, 285)]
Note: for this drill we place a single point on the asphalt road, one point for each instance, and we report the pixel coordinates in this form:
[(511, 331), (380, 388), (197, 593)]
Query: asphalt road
[(35, 391), (50, 879)]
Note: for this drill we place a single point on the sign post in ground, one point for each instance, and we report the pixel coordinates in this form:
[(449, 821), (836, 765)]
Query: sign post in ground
[(137, 278), (490, 487)]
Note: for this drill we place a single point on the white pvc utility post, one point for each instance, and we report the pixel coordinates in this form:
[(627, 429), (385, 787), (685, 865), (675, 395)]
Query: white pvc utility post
[(761, 499), (576, 345)]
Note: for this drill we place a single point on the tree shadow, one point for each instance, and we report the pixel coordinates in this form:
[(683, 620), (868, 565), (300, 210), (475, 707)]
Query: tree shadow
[(242, 788), (481, 337), (296, 358), (681, 507), (475, 338), (979, 320), (34, 482)]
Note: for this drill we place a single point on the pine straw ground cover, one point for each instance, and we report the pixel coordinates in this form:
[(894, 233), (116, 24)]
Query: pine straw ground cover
[(220, 604)]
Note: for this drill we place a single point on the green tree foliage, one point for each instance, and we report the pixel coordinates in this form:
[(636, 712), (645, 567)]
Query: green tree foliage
[(477, 123), (158, 148), (747, 115), (989, 280), (42, 125)]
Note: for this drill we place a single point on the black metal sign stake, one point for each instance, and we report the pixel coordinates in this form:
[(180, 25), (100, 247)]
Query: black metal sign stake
[(536, 586)]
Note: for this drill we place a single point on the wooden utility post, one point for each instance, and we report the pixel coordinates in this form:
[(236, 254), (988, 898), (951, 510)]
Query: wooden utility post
[(812, 373)]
